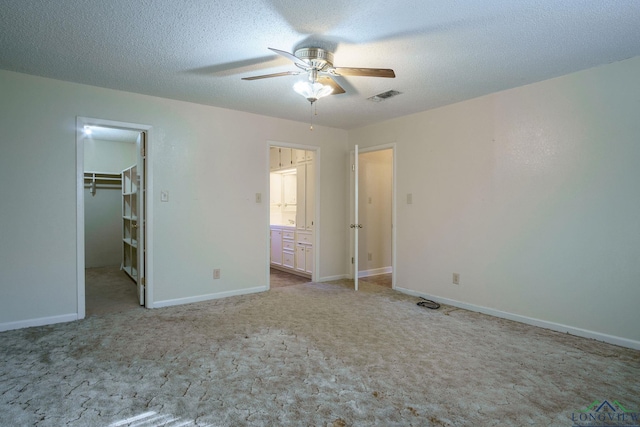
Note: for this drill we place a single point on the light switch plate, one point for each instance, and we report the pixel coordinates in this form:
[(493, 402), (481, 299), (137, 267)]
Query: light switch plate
[(164, 195)]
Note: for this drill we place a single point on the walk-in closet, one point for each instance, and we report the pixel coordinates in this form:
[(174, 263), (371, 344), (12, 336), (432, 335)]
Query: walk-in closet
[(110, 219)]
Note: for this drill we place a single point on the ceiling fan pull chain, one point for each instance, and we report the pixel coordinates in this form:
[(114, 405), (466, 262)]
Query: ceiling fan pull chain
[(311, 118)]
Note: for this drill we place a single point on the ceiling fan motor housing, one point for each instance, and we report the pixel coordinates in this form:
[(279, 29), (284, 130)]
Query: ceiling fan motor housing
[(317, 58)]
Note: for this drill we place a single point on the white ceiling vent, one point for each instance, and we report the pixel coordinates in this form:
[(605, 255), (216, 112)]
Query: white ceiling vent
[(384, 96)]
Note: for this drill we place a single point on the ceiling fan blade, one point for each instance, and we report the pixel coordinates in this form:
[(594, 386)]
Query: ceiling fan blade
[(267, 76), (364, 72), (290, 56), (328, 81)]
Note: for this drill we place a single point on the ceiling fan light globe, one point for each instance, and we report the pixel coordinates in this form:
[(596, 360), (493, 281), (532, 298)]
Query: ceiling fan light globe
[(324, 90), (313, 91)]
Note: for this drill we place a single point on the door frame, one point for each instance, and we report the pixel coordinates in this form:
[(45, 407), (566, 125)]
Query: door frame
[(81, 122), (353, 251), (317, 220)]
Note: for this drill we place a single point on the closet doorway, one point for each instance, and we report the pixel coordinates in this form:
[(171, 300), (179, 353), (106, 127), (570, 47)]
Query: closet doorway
[(112, 213), (293, 214), (374, 196)]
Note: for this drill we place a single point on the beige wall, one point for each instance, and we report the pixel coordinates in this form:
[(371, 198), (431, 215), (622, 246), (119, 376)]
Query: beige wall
[(531, 195), (108, 156), (375, 179), (212, 161)]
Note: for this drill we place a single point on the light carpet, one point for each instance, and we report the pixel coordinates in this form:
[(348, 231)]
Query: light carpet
[(316, 354)]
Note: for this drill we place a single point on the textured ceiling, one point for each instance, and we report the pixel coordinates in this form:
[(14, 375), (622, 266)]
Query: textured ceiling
[(442, 51)]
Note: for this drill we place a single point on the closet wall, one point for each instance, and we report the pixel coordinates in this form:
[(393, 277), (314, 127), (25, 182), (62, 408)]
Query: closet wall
[(375, 177), (103, 210)]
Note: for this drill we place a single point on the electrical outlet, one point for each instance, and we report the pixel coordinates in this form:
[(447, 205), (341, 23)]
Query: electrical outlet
[(164, 195), (456, 278), (409, 198), (216, 273)]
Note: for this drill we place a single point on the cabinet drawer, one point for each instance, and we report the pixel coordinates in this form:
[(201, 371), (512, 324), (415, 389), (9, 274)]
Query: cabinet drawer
[(288, 245), (304, 238), (288, 234), (288, 259)]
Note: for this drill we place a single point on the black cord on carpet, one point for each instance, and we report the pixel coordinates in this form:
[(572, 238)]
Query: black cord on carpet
[(429, 304)]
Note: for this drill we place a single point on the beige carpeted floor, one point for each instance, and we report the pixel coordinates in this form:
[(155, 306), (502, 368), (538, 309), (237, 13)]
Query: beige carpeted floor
[(312, 354)]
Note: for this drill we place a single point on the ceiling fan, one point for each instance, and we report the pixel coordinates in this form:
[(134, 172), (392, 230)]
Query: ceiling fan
[(318, 64)]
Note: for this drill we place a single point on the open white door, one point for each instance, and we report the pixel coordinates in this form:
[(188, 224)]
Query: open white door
[(141, 223), (355, 225)]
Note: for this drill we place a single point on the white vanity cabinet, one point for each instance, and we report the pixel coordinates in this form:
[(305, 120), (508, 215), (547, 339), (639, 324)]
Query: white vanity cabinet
[(305, 207), (291, 251), (276, 246), (288, 248), (304, 252)]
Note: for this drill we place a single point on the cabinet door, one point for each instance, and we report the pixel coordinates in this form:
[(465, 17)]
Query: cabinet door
[(308, 155), (276, 247), (300, 258), (286, 158), (301, 219), (308, 257), (274, 158), (310, 197), (299, 156)]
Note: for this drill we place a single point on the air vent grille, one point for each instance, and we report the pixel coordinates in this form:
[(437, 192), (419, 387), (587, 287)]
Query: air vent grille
[(384, 96)]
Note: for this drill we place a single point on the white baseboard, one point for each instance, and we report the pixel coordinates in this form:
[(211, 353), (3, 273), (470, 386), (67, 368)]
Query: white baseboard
[(375, 272), (208, 297), (41, 321), (558, 327), (330, 278)]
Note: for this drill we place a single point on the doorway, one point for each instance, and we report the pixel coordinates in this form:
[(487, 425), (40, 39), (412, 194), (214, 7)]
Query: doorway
[(373, 213), (293, 213), (112, 216)]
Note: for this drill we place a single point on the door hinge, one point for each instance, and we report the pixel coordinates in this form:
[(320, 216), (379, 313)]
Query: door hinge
[(352, 260), (353, 167), (142, 281)]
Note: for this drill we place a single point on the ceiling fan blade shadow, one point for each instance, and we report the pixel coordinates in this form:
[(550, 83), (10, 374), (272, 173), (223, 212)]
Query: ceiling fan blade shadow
[(315, 20), (267, 76), (243, 66), (448, 28), (328, 81), (365, 72)]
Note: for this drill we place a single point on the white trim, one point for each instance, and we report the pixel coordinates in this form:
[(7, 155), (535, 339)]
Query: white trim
[(80, 292), (330, 278), (375, 271), (41, 321), (558, 327), (80, 249), (208, 297)]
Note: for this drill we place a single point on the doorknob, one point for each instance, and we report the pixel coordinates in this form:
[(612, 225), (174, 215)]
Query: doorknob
[(355, 226)]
